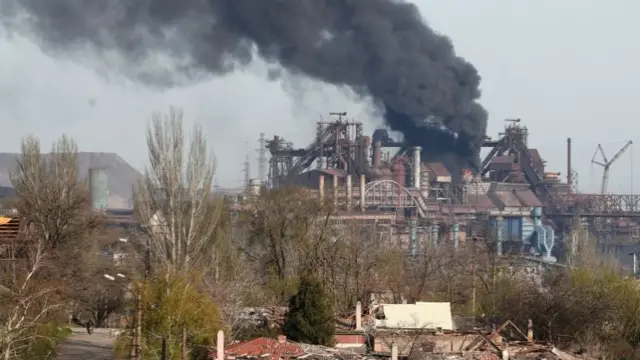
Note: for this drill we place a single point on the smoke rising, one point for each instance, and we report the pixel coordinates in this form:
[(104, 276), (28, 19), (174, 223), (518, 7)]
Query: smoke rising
[(381, 49)]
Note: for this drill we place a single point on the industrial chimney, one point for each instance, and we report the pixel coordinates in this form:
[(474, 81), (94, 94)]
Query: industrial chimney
[(416, 166), (98, 190)]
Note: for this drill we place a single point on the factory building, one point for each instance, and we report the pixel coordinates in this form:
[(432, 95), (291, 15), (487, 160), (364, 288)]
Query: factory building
[(524, 207)]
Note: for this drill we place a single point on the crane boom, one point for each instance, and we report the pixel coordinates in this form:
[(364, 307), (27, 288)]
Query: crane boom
[(606, 164)]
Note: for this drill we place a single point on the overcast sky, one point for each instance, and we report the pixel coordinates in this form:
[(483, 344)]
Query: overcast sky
[(567, 68)]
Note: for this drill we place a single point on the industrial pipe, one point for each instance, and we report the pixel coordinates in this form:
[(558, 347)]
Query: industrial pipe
[(362, 193), (349, 193), (416, 166)]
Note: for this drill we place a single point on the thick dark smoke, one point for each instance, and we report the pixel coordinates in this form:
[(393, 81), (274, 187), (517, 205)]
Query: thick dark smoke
[(381, 49)]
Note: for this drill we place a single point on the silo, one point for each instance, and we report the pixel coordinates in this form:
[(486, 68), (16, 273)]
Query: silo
[(98, 190)]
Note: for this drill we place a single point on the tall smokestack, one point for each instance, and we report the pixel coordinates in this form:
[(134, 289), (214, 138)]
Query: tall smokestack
[(349, 193), (98, 189), (416, 166), (362, 193), (569, 171), (383, 49)]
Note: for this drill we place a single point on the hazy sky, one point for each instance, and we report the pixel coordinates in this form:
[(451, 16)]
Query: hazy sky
[(567, 68)]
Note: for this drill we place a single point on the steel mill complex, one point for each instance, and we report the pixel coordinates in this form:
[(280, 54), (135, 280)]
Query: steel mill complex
[(377, 180)]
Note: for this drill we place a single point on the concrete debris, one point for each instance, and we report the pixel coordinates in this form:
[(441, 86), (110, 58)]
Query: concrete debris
[(270, 316)]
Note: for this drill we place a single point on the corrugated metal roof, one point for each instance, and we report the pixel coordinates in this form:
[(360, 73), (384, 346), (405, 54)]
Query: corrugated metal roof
[(508, 198), (481, 201), (421, 315)]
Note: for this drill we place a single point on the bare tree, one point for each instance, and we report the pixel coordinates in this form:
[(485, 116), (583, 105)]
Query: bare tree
[(31, 300), (50, 194), (288, 232), (52, 203), (175, 202), (95, 297)]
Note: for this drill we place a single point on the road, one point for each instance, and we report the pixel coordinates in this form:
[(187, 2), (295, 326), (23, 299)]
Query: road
[(82, 346)]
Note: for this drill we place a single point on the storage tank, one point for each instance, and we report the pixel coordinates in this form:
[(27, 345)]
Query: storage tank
[(98, 190)]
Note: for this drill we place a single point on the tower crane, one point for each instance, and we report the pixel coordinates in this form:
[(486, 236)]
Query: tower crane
[(606, 164)]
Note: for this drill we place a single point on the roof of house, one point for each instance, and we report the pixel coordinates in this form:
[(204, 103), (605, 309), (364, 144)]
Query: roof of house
[(266, 348)]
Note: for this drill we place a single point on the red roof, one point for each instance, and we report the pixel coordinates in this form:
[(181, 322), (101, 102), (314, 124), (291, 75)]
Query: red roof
[(265, 348)]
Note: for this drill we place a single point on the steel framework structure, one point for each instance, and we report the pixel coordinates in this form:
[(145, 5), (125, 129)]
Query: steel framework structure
[(338, 145), (597, 205)]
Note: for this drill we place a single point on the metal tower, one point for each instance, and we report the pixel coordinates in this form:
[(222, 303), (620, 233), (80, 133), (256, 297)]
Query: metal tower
[(262, 158)]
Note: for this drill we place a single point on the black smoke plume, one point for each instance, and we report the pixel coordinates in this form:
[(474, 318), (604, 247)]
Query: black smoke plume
[(381, 49)]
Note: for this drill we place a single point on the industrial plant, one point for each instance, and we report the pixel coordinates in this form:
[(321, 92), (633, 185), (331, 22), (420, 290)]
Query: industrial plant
[(529, 209)]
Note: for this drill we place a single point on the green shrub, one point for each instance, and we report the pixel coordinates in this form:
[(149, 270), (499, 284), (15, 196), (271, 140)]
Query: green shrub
[(310, 317), (48, 336)]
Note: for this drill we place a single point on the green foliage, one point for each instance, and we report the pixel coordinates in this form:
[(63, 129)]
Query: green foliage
[(171, 304), (310, 317), (48, 336)]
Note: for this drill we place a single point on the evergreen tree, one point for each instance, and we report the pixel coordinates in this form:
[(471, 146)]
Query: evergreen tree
[(310, 317)]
